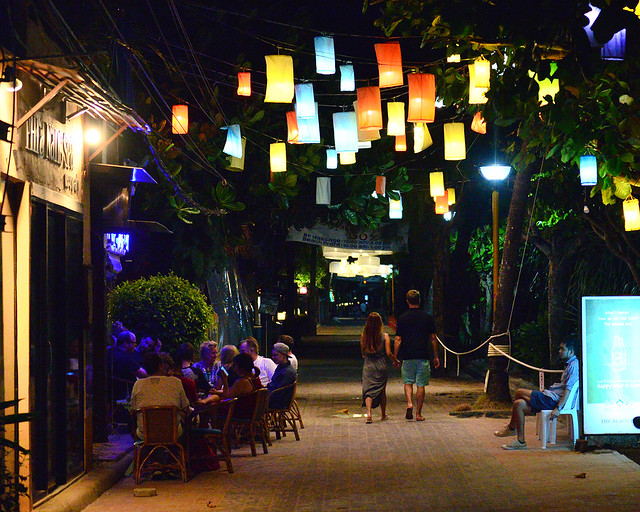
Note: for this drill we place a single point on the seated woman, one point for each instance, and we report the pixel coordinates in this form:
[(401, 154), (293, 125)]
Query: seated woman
[(248, 380), (227, 353), (208, 363), (184, 358)]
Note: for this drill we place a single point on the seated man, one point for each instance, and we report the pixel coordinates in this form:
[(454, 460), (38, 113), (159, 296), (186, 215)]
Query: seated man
[(264, 364), (123, 366), (554, 398), (288, 341), (283, 375)]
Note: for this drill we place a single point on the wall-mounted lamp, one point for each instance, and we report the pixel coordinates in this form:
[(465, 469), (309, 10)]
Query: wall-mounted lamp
[(9, 80), (92, 136)]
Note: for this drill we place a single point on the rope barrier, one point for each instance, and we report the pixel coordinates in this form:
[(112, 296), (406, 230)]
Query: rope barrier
[(458, 354)]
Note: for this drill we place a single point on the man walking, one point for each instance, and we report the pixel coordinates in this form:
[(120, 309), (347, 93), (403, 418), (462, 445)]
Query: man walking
[(415, 345)]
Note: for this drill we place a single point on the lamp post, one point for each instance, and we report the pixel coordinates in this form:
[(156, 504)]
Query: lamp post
[(495, 173)]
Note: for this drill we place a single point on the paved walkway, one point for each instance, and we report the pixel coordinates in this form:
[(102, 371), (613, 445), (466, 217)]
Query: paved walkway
[(446, 463)]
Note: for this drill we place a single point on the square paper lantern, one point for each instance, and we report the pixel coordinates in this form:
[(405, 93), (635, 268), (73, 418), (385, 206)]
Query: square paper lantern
[(323, 190), (477, 124), (631, 214), (436, 184), (369, 108), (280, 87), (332, 159), (365, 135), (588, 170), (309, 128), (476, 93), (395, 114), (422, 98), (442, 203), (482, 72), (395, 208), (278, 157), (305, 101), (454, 144), (237, 164), (292, 128), (401, 142), (180, 119), (345, 132), (451, 195), (389, 64), (347, 158), (347, 78), (325, 55), (244, 83), (381, 185), (614, 49), (233, 145), (421, 137)]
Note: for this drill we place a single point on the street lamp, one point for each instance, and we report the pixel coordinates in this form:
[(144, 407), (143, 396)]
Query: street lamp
[(495, 173)]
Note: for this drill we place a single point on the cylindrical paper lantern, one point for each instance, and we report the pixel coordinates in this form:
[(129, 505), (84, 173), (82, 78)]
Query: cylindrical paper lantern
[(421, 137), (325, 55), (292, 128), (389, 64), (451, 195), (454, 57), (588, 170), (233, 144), (237, 164), (395, 208), (309, 128), (631, 214), (395, 113), (180, 119), (280, 87), (332, 159), (347, 158), (369, 108), (364, 145), (476, 93), (614, 49), (305, 101), (381, 184), (482, 70), (436, 184), (454, 144), (477, 123), (422, 98), (345, 131), (442, 203), (323, 190), (401, 142), (365, 135), (278, 157), (347, 78), (244, 83)]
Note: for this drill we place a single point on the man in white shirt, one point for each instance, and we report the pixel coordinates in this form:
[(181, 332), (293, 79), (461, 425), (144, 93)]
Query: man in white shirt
[(265, 365)]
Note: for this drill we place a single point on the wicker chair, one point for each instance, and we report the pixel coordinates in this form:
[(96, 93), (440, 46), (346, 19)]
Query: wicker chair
[(283, 420), (216, 438), (248, 421)]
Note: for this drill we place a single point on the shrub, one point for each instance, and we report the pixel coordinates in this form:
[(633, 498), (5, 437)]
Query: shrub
[(166, 306)]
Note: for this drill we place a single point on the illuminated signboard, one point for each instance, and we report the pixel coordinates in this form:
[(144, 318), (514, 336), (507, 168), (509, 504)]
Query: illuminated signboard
[(611, 364), (117, 243)]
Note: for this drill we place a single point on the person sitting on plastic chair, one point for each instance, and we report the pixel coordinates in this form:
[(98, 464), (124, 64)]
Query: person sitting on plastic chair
[(528, 401)]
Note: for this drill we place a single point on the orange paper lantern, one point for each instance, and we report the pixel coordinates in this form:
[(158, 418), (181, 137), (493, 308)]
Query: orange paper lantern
[(422, 98), (478, 125), (401, 142), (180, 119), (442, 203), (244, 83), (292, 128), (381, 184), (389, 64), (369, 108)]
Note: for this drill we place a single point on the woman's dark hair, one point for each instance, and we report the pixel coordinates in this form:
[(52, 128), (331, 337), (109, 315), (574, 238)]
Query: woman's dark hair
[(184, 352), (245, 362), (151, 362)]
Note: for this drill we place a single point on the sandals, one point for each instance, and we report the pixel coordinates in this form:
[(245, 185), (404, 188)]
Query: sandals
[(409, 415), (368, 420)]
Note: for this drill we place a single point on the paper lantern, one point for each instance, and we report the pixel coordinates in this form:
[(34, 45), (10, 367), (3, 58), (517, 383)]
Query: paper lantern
[(477, 123), (309, 128), (323, 190), (244, 83), (365, 135), (345, 132), (233, 144), (614, 49), (180, 119), (237, 164), (451, 195), (347, 158), (395, 208), (369, 108), (292, 127), (482, 72), (548, 86), (389, 64), (421, 137), (588, 170), (325, 55), (280, 87), (476, 93), (631, 214), (454, 57), (364, 144), (278, 157), (305, 101), (347, 78), (395, 114), (454, 144), (381, 184), (442, 203), (436, 184), (401, 142), (422, 98), (332, 159)]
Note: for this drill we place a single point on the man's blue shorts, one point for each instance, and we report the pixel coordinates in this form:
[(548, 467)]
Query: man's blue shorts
[(541, 402), (416, 371)]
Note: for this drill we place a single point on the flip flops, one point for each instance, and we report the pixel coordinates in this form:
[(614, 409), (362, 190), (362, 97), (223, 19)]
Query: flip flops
[(409, 414)]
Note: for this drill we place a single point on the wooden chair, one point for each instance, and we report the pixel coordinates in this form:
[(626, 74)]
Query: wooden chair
[(251, 423), (216, 437), (160, 435), (279, 418)]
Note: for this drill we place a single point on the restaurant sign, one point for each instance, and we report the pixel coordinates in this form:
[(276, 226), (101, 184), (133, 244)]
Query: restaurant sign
[(48, 141)]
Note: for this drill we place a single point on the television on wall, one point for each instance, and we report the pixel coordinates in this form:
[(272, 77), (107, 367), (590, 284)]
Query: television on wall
[(610, 364)]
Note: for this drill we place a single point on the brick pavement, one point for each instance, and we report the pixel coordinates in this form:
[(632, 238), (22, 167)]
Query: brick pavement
[(446, 463)]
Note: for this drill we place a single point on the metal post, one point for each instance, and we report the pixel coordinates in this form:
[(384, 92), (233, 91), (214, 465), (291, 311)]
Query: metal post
[(496, 248)]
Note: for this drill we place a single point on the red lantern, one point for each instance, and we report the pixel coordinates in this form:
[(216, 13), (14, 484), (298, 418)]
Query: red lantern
[(292, 128), (389, 64), (244, 83), (180, 119), (478, 125), (401, 142), (381, 184), (442, 203), (369, 108), (422, 98)]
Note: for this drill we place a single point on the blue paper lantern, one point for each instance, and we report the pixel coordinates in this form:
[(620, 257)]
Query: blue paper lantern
[(347, 78), (332, 159), (233, 145), (345, 131), (305, 101), (325, 55), (308, 127), (588, 170), (614, 48)]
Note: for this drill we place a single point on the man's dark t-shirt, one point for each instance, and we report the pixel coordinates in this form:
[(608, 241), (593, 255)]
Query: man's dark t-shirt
[(123, 368), (415, 328)]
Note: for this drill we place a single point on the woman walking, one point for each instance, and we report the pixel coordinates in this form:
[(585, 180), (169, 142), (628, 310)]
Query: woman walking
[(376, 351)]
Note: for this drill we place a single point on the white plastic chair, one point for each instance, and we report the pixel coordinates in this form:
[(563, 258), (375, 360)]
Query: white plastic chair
[(546, 428)]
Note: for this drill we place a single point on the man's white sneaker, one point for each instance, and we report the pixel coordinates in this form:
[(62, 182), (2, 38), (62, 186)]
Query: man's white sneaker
[(515, 445), (505, 432)]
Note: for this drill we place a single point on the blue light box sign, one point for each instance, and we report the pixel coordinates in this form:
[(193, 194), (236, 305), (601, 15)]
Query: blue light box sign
[(611, 364), (117, 243)]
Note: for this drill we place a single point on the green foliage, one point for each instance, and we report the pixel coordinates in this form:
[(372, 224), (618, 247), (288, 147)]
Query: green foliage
[(531, 344), (167, 306), (11, 488)]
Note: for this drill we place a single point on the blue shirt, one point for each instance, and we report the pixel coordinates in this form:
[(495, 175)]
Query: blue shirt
[(569, 379)]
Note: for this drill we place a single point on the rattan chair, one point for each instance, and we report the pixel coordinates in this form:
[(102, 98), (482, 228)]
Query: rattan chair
[(283, 420), (248, 421), (216, 437)]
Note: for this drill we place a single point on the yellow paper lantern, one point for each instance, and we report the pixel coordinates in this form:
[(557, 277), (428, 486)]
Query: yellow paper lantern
[(347, 158), (389, 64), (421, 137), (454, 57), (442, 203), (476, 92), (482, 72), (395, 113), (451, 195), (278, 157), (401, 142), (381, 185), (631, 213), (244, 83), (292, 128), (180, 119), (477, 124), (454, 144), (548, 86), (422, 98), (369, 108), (436, 183), (280, 88)]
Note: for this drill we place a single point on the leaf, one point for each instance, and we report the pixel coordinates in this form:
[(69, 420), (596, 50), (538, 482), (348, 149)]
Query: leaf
[(257, 117)]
